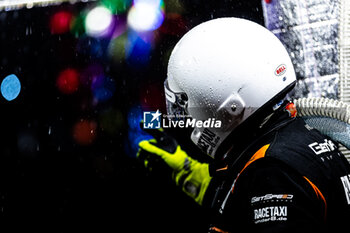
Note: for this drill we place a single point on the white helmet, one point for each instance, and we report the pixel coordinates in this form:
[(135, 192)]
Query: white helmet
[(225, 70)]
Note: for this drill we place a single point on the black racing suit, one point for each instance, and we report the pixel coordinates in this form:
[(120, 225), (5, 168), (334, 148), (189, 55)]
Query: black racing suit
[(292, 179)]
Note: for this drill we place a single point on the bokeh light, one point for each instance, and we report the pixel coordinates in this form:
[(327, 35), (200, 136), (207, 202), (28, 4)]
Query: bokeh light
[(152, 96), (111, 120), (84, 131), (117, 6), (77, 27), (27, 143), (98, 21), (120, 26), (138, 49), (103, 88), (92, 47), (68, 81), (61, 22), (135, 133), (10, 87), (145, 15), (89, 73), (134, 116), (117, 48), (174, 24)]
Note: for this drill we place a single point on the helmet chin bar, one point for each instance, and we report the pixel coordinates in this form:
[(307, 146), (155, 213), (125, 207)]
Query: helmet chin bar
[(231, 112), (176, 103)]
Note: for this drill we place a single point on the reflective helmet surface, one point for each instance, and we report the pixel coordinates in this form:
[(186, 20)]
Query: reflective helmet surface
[(225, 70)]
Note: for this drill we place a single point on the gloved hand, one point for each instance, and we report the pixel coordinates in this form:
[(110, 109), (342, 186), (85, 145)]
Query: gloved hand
[(189, 174)]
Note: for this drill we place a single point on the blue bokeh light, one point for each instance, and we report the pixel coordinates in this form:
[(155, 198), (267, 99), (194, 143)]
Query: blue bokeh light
[(103, 88), (138, 50), (135, 133), (10, 87)]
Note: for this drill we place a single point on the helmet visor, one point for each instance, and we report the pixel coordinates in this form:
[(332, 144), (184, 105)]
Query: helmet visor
[(176, 103)]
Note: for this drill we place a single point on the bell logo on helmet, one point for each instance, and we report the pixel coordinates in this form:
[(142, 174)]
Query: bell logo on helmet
[(280, 70)]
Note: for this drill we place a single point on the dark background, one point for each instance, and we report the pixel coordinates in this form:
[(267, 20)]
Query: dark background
[(52, 182)]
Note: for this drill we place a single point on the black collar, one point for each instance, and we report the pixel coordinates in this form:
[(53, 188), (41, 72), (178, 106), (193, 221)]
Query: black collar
[(248, 141)]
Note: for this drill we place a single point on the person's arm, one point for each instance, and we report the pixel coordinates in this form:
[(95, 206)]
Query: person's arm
[(189, 174)]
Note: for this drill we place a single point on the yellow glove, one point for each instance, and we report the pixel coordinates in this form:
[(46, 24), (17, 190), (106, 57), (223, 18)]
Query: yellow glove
[(189, 174)]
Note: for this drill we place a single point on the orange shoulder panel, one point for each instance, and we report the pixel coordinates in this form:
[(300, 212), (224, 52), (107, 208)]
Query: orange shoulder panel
[(258, 155)]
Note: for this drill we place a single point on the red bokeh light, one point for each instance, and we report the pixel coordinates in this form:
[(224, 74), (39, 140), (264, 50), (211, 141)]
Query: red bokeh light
[(174, 24), (68, 81), (152, 96), (61, 22), (84, 132)]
